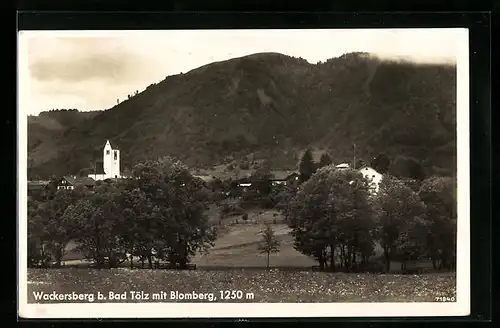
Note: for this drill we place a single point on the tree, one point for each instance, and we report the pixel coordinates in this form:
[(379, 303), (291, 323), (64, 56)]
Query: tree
[(269, 244), (178, 209), (84, 172), (411, 241), (138, 236), (37, 238), (329, 210), (324, 160), (51, 226), (397, 208), (439, 196), (283, 197), (306, 166), (360, 163), (99, 225), (381, 163), (407, 167), (244, 164), (261, 180)]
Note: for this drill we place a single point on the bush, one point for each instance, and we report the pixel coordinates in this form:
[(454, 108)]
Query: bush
[(267, 202), (245, 216)]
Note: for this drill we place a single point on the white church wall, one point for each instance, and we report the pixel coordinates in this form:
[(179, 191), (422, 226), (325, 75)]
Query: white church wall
[(115, 164), (107, 159), (97, 177), (111, 161)]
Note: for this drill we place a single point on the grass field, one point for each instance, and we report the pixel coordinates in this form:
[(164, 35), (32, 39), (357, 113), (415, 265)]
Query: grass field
[(235, 264), (255, 285), (237, 245)]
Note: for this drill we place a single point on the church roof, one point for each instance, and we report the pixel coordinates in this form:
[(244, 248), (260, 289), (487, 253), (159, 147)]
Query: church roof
[(99, 168), (113, 146)]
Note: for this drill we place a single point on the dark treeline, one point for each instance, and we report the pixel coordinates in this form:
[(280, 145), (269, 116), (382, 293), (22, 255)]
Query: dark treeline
[(160, 213), (334, 215), (337, 219)]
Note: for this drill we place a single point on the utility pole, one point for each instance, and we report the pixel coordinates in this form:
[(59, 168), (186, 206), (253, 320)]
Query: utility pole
[(353, 151)]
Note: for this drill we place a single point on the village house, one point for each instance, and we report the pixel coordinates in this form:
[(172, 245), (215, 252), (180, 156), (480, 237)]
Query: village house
[(71, 182), (369, 173), (283, 177), (372, 176), (36, 188)]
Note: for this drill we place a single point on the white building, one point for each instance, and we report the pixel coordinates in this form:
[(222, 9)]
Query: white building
[(109, 168), (372, 176), (342, 166)]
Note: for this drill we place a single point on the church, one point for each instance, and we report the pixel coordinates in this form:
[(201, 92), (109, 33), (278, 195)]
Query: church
[(109, 168)]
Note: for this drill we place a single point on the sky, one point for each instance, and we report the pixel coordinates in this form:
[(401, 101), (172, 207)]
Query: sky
[(91, 70)]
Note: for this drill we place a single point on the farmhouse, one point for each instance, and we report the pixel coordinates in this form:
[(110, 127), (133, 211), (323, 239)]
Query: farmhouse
[(109, 168), (283, 177), (243, 183), (71, 182), (36, 188), (372, 176)]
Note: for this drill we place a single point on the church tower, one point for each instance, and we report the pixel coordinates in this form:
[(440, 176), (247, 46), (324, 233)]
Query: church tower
[(111, 161)]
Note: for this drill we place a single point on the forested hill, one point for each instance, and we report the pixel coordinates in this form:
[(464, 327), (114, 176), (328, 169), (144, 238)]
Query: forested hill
[(46, 126), (273, 105)]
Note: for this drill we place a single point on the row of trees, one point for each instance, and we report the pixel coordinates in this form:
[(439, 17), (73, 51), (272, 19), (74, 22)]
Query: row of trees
[(160, 213), (336, 219), (403, 167)]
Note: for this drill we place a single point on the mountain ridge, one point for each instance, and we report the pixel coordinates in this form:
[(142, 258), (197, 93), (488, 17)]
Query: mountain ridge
[(270, 104)]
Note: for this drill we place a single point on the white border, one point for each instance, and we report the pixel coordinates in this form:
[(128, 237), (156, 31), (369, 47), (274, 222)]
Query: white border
[(275, 310)]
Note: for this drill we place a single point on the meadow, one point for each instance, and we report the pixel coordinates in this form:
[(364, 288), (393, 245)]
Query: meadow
[(272, 286), (235, 264)]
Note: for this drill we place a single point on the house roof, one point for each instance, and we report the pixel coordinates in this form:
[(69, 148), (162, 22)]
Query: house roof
[(37, 185), (85, 181), (342, 166), (206, 178), (367, 168), (282, 174)]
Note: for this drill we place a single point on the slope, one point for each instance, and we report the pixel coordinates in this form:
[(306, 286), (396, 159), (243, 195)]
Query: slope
[(265, 103)]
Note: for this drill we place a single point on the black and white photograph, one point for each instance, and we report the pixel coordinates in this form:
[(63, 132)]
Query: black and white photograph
[(243, 173)]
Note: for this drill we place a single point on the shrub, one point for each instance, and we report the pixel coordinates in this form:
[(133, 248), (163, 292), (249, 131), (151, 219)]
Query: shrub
[(244, 165), (231, 209), (245, 216)]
